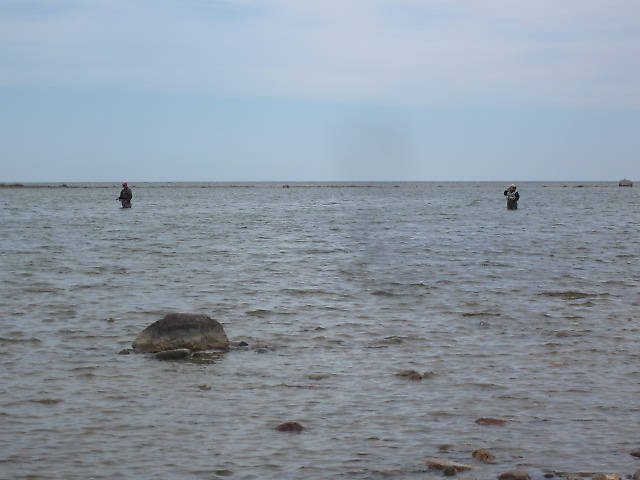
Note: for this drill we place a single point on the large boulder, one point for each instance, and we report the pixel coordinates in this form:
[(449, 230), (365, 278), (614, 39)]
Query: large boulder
[(182, 330)]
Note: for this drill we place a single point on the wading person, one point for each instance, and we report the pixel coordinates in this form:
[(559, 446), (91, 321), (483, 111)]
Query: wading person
[(512, 197), (125, 196)]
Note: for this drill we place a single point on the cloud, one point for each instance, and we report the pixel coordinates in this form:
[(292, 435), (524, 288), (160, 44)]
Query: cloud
[(406, 52)]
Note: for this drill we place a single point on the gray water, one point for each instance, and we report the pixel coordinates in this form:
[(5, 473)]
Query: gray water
[(529, 316)]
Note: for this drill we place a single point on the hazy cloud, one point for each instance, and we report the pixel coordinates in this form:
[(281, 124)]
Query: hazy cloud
[(570, 53)]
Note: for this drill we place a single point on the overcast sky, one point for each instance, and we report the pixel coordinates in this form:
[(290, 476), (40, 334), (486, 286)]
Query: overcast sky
[(241, 90)]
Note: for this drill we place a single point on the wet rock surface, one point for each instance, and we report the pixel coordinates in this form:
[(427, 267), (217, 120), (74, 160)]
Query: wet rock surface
[(182, 330), (175, 354), (414, 375), (483, 456), (450, 471)]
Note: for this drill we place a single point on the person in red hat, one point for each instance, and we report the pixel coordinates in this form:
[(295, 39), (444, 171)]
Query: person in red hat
[(125, 196)]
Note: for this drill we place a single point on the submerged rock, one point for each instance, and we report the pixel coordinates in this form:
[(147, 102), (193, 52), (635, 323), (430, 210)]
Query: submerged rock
[(490, 421), (175, 354), (290, 427), (410, 374), (483, 456), (635, 453), (607, 476), (450, 471), (514, 475), (205, 358), (441, 464), (413, 375), (182, 331)]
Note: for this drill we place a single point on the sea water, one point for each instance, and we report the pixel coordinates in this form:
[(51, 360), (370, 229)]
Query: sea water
[(529, 316)]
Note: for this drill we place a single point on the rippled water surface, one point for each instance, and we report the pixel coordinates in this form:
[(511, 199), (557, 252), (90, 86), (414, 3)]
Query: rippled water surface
[(529, 316)]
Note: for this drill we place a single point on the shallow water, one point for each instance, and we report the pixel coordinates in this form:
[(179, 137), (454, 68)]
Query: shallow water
[(530, 316)]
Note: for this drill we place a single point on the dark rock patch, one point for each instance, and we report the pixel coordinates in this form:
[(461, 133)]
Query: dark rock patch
[(450, 471), (47, 401), (514, 475), (483, 456), (490, 421), (182, 330), (175, 354), (442, 464), (290, 427), (414, 375)]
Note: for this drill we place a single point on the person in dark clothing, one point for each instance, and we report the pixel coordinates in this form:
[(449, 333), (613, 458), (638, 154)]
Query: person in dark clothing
[(512, 197), (125, 196)]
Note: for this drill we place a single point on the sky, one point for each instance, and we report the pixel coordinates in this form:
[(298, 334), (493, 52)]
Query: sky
[(300, 90)]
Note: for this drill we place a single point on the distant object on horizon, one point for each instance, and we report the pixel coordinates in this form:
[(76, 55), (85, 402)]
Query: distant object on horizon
[(625, 183)]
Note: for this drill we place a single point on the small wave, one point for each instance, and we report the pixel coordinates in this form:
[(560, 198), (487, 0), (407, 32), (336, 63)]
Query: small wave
[(47, 401), (392, 340), (567, 295), (287, 385), (20, 340), (487, 386), (42, 289), (87, 368), (422, 285), (385, 293), (304, 291), (259, 312), (318, 251)]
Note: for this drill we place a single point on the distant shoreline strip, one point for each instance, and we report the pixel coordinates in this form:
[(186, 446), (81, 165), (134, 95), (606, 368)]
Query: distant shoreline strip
[(257, 186), (64, 185)]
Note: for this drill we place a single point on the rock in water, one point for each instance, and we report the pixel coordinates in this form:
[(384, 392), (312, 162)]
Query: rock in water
[(441, 464), (514, 475), (173, 354), (483, 456), (490, 421), (290, 427), (182, 330)]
